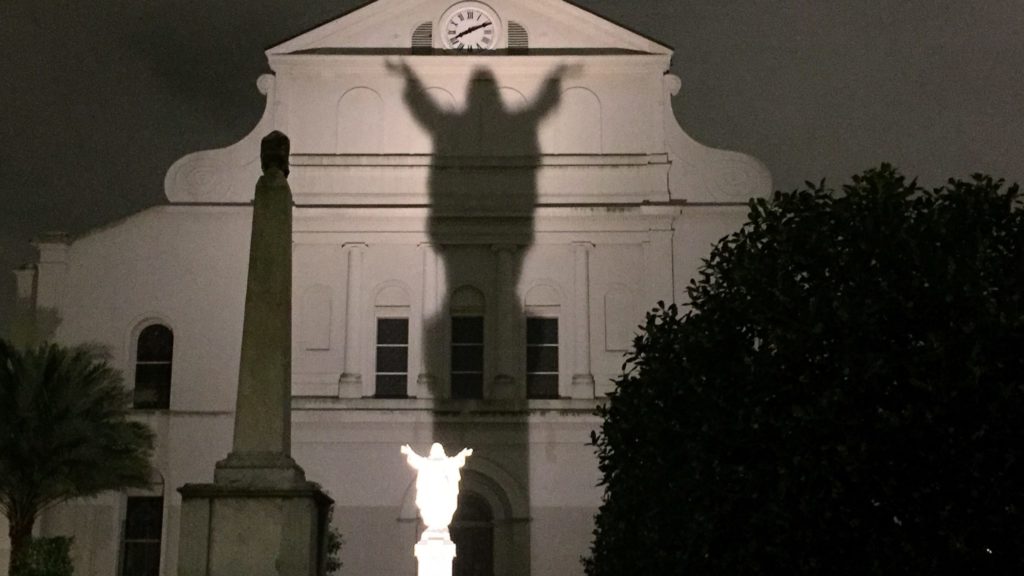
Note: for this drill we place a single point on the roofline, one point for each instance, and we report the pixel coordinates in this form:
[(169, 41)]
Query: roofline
[(620, 25), (317, 25), (573, 3)]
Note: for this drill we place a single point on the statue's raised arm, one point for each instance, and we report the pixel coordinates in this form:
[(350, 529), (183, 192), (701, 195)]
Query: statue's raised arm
[(460, 458), (550, 93), (414, 459), (423, 109)]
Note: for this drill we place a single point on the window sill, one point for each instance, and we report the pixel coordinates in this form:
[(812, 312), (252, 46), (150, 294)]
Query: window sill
[(448, 405)]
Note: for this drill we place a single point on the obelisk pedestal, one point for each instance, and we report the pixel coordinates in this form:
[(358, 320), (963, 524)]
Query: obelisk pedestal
[(260, 517)]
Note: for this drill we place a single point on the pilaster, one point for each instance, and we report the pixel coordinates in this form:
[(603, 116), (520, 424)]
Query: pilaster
[(658, 285), (25, 284), (582, 378), (351, 381), (507, 335), (51, 275), (429, 311)]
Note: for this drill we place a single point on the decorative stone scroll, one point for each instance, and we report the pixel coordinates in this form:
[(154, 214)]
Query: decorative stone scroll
[(703, 174), (223, 175)]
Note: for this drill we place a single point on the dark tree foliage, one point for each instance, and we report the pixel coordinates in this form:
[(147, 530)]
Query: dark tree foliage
[(48, 557), (842, 396), (65, 433), (334, 543)]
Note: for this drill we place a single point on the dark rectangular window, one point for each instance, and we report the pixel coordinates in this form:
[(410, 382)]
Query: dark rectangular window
[(143, 526), (467, 357), (542, 357), (392, 357)]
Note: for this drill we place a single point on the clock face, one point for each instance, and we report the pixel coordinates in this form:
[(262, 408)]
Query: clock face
[(470, 27)]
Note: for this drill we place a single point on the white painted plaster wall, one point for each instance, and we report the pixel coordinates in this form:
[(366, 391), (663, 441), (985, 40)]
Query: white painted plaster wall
[(628, 205)]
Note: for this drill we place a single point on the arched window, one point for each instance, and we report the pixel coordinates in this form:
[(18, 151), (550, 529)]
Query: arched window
[(154, 351), (472, 531), (360, 112)]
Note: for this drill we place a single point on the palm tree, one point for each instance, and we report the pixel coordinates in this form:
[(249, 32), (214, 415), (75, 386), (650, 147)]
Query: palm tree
[(64, 433)]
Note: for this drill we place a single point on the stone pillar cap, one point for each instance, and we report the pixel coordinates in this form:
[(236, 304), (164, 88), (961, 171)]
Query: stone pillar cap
[(274, 150)]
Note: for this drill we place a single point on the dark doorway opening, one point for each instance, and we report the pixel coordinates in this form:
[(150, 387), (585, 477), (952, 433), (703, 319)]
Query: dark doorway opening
[(472, 531)]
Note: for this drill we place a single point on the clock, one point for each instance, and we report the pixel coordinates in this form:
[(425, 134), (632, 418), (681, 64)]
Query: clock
[(470, 26)]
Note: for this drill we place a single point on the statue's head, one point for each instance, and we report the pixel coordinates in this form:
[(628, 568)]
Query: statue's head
[(437, 452), (483, 92)]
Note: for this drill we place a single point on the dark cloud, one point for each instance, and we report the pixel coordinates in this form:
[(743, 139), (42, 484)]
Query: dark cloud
[(99, 98)]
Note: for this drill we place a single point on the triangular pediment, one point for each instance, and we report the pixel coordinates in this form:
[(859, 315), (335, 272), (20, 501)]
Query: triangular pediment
[(389, 25)]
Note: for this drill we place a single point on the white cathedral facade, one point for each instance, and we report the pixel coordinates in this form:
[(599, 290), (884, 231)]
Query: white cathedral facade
[(488, 197)]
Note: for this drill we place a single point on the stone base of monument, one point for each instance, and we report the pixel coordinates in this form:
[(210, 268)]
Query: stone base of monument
[(435, 556), (260, 517), (259, 470)]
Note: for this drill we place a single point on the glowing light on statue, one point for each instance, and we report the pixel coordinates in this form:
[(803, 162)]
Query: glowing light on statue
[(437, 497)]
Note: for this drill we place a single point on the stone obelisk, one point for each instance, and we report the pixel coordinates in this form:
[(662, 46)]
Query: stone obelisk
[(260, 517), (261, 453)]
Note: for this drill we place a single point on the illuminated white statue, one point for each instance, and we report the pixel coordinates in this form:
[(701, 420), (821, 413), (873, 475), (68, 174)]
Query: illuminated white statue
[(437, 487)]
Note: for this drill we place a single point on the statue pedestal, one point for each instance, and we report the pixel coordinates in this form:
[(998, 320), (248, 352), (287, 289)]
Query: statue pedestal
[(229, 530), (435, 556)]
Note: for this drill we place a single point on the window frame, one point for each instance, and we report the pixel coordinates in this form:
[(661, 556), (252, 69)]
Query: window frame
[(396, 313), (556, 345), (126, 541), (482, 345), (163, 401)]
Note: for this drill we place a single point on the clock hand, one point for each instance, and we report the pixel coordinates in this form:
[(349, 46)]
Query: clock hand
[(470, 30)]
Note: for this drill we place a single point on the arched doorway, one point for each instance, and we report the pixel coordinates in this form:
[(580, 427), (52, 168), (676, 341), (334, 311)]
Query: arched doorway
[(472, 530)]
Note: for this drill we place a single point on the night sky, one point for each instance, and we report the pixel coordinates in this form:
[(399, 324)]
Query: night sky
[(99, 98)]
